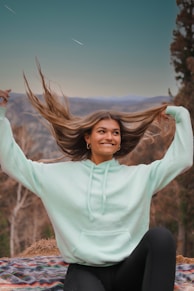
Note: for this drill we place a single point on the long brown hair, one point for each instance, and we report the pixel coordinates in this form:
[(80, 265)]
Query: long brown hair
[(69, 130)]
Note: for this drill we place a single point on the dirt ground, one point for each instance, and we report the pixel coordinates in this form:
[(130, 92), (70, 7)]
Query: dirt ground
[(43, 247)]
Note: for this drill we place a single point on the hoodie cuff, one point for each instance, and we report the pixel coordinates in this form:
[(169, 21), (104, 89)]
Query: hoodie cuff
[(177, 112), (172, 110)]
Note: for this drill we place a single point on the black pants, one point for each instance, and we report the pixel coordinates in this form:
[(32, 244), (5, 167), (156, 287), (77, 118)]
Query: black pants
[(150, 267)]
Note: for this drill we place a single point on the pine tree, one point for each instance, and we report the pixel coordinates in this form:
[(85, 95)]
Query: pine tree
[(182, 56), (182, 47)]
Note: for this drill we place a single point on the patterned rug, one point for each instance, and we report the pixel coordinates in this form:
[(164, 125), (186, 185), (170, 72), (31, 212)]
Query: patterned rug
[(48, 273)]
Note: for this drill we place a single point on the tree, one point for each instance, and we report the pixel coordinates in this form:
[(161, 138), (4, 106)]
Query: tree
[(182, 56), (182, 47), (23, 219), (173, 207), (21, 193)]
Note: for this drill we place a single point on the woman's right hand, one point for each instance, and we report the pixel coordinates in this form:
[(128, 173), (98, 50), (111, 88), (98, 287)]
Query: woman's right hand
[(4, 95)]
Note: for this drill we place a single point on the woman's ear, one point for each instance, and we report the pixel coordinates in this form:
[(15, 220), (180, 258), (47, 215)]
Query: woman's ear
[(87, 138)]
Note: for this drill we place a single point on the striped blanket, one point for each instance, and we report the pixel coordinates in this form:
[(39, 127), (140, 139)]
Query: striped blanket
[(48, 273)]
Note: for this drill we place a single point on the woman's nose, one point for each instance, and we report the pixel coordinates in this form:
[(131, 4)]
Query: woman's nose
[(109, 135)]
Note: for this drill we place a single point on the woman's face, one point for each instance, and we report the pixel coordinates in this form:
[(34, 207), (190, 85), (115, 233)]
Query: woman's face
[(104, 140)]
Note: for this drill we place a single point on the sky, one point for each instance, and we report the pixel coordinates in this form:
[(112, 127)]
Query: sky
[(88, 48)]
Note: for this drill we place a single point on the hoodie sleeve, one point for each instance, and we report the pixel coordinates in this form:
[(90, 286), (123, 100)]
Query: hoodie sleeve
[(179, 156), (13, 161)]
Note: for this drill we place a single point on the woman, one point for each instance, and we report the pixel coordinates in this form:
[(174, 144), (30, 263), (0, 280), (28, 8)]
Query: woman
[(99, 208)]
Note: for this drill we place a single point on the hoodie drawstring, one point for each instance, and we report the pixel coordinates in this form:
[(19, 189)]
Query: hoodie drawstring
[(104, 188), (89, 193), (105, 174)]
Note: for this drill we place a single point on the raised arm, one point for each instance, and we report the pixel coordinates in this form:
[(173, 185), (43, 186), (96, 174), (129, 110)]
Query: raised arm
[(179, 156), (12, 159)]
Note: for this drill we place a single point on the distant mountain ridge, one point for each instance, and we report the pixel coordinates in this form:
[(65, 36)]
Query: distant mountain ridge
[(19, 103), (83, 106)]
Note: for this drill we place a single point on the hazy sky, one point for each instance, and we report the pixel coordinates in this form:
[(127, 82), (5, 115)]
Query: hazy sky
[(88, 47)]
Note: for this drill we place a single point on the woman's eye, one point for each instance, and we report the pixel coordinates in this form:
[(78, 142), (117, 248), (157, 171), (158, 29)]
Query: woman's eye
[(116, 132), (101, 131)]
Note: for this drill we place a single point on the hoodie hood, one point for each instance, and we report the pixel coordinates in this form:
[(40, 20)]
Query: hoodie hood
[(102, 169)]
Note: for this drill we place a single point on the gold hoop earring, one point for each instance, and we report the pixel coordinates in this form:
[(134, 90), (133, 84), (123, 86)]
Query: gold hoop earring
[(88, 146)]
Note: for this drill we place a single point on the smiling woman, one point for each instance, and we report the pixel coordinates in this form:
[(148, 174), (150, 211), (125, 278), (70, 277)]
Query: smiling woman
[(99, 208)]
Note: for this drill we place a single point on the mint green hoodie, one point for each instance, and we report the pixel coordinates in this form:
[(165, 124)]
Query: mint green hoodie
[(99, 212)]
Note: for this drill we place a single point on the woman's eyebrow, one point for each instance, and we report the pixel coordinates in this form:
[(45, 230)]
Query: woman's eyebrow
[(102, 127)]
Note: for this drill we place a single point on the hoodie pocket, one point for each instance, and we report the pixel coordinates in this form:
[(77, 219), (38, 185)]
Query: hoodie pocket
[(102, 247)]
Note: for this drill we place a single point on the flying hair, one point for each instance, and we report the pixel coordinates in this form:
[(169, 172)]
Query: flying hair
[(69, 130)]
